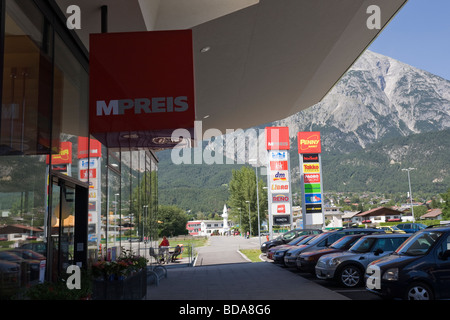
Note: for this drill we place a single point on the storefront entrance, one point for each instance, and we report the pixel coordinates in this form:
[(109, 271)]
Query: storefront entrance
[(67, 225)]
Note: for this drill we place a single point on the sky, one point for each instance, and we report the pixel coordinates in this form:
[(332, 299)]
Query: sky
[(419, 35)]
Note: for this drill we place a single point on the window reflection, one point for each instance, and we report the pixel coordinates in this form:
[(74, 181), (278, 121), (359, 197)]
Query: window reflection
[(27, 81), (46, 156)]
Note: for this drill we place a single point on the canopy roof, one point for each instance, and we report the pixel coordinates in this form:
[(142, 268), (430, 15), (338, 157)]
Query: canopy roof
[(255, 61)]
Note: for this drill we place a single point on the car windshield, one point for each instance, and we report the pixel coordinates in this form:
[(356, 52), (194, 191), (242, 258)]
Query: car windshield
[(342, 242), (288, 235), (306, 240), (419, 244), (317, 238), (296, 240), (363, 245)]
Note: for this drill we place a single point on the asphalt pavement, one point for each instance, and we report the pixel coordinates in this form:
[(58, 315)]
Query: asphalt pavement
[(220, 272)]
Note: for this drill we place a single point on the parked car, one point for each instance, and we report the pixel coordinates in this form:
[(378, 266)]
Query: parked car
[(392, 229), (32, 266), (278, 256), (307, 261), (411, 227), (417, 270), (348, 267), (10, 278), (28, 254), (286, 237), (39, 247), (272, 250), (322, 241)]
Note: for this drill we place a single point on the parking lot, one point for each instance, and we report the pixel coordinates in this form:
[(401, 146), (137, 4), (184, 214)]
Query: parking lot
[(359, 293), (411, 266)]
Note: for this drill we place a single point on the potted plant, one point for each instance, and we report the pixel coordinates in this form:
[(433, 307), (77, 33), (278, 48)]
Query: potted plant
[(124, 278), (59, 290)]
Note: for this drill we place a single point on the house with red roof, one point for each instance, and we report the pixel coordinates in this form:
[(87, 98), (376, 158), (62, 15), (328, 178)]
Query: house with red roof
[(382, 214), (433, 214)]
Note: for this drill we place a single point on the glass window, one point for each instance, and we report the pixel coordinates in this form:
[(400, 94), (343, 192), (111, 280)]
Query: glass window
[(419, 244), (24, 141), (27, 81), (363, 245)]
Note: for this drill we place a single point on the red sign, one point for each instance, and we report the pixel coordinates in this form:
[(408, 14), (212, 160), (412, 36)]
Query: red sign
[(64, 156), (280, 198), (309, 142), (85, 174), (140, 82), (281, 208), (277, 138), (278, 165), (95, 148), (311, 177)]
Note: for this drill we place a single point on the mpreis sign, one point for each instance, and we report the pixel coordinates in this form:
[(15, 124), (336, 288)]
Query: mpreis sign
[(140, 82), (277, 138)]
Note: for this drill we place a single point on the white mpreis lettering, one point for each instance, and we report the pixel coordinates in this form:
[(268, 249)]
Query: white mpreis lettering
[(143, 105)]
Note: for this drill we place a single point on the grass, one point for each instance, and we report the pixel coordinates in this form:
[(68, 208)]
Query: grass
[(188, 242), (252, 254)]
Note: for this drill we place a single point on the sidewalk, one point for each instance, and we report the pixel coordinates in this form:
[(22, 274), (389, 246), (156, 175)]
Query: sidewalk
[(221, 273)]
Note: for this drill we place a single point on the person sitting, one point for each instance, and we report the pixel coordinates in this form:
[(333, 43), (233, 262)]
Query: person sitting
[(176, 253)]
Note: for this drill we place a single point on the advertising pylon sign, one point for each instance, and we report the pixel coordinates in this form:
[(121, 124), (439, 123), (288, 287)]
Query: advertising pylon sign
[(309, 149), (89, 163), (278, 177)]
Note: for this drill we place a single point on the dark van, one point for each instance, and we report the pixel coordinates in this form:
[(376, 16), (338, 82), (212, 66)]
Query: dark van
[(418, 270)]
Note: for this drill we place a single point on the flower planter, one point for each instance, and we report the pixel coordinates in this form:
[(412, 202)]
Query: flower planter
[(132, 287)]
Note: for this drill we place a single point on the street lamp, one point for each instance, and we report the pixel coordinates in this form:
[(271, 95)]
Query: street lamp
[(240, 222), (145, 209), (115, 214), (257, 197), (249, 222), (410, 193)]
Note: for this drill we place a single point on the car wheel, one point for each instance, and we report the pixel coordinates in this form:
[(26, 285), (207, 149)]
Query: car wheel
[(350, 276), (419, 291)]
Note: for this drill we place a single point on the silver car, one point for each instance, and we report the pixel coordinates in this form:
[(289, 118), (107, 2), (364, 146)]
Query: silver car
[(348, 267)]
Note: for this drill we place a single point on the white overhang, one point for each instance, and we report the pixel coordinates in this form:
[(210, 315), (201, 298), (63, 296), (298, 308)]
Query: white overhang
[(264, 60)]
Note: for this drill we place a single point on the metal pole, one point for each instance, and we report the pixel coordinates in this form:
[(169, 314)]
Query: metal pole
[(104, 19), (249, 221), (257, 202), (410, 192), (240, 222)]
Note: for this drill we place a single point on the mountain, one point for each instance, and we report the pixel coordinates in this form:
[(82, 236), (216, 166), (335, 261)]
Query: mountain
[(382, 116), (378, 98), (378, 168)]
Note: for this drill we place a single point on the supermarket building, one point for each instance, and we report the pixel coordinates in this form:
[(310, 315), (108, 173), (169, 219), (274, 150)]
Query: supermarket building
[(254, 61)]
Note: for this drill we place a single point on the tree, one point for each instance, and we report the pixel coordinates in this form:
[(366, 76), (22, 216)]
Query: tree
[(243, 188), (446, 205), (419, 211), (171, 221)]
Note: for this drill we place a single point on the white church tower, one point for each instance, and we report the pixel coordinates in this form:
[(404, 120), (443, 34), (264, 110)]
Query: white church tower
[(226, 228)]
